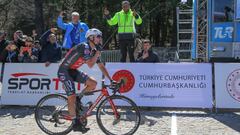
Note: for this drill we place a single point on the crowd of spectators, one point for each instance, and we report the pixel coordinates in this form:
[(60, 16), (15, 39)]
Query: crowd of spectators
[(28, 49)]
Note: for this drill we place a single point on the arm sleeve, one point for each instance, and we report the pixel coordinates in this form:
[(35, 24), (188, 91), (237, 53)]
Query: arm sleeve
[(59, 54), (72, 56), (138, 20), (34, 56), (85, 27), (139, 57), (61, 24), (114, 20), (43, 39)]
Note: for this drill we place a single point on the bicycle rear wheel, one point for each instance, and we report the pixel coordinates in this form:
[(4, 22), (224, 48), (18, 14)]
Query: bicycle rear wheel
[(129, 116), (51, 115)]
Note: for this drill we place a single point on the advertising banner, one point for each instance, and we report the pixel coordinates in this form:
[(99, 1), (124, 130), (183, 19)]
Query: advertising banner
[(227, 85), (26, 84), (166, 85)]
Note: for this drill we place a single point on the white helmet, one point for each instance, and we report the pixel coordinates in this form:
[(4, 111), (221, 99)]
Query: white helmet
[(93, 32)]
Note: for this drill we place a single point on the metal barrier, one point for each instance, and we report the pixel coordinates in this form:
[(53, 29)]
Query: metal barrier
[(111, 56), (165, 54)]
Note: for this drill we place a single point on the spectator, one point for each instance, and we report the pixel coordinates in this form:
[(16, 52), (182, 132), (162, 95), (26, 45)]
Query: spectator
[(10, 53), (3, 44), (147, 55), (75, 30), (126, 19), (18, 38), (51, 50), (28, 53)]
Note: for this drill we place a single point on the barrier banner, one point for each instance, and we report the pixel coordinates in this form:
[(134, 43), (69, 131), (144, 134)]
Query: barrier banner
[(166, 85), (26, 84), (227, 85)]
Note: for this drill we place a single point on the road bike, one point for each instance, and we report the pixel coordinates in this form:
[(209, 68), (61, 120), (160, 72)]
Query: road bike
[(115, 113)]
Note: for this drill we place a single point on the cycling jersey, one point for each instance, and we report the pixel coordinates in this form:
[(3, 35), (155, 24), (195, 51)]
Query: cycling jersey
[(78, 55), (74, 59)]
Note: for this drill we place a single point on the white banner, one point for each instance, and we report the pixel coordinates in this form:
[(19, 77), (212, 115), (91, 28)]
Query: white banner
[(167, 85), (227, 85), (26, 84)]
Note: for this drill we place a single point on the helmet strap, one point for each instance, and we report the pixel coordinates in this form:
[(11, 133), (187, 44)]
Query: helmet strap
[(92, 40)]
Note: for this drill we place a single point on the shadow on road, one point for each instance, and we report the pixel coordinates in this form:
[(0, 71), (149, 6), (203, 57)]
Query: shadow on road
[(16, 111)]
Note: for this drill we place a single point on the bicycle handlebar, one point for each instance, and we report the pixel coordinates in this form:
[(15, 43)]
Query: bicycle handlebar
[(115, 86)]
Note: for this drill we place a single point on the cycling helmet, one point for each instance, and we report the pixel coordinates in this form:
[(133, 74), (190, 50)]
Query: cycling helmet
[(93, 32)]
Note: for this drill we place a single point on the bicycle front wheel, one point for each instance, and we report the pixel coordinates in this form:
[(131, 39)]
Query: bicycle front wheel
[(118, 115), (51, 115)]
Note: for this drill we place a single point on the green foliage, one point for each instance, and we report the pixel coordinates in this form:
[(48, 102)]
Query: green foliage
[(158, 16)]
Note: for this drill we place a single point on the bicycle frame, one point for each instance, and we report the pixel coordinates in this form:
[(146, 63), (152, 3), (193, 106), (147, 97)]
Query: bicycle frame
[(104, 93)]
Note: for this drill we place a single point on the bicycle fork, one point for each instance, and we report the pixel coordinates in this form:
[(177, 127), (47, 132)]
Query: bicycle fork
[(106, 94)]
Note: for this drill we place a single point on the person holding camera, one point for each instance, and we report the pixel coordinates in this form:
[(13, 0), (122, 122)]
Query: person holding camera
[(51, 50), (75, 30), (28, 53), (18, 38), (10, 53)]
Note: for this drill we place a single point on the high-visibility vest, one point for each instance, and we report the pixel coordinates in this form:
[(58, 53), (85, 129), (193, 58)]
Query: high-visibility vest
[(126, 21)]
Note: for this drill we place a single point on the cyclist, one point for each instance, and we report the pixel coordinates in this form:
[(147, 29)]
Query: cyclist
[(85, 53)]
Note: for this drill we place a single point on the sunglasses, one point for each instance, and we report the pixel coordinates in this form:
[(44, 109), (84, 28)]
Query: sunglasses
[(146, 42), (99, 36)]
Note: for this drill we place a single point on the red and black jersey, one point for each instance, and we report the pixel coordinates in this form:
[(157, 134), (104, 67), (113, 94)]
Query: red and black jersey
[(77, 56)]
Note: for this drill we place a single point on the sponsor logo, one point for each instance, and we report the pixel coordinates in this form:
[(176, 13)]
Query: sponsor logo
[(127, 77), (223, 32), (34, 81), (233, 84)]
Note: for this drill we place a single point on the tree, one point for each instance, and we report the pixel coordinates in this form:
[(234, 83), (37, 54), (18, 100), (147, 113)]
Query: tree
[(39, 22)]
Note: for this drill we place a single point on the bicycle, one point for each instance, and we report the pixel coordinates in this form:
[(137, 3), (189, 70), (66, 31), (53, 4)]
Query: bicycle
[(114, 112)]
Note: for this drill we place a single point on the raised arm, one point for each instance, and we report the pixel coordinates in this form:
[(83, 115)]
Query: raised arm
[(60, 22)]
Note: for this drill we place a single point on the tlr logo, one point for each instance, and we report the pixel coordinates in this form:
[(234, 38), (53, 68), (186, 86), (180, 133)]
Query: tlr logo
[(223, 32)]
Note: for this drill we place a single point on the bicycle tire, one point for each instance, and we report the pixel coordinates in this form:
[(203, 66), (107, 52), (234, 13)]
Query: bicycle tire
[(121, 98), (37, 119)]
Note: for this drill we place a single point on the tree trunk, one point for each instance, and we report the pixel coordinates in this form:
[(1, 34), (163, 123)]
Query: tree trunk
[(39, 21)]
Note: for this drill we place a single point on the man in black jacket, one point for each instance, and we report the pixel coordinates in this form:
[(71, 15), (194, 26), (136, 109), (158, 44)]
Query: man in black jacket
[(147, 55), (51, 50)]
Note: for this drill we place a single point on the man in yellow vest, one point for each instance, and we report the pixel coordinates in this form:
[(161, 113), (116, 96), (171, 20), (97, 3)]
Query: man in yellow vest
[(126, 20)]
